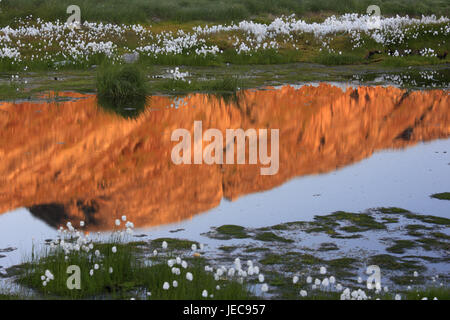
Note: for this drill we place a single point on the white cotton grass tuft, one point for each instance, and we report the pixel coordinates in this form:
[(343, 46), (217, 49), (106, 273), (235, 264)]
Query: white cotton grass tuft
[(189, 276), (166, 286), (204, 293), (303, 293), (264, 287), (261, 278), (164, 245), (323, 270), (295, 279), (114, 249)]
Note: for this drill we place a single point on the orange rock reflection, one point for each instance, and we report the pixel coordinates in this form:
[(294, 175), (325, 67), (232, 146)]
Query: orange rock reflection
[(73, 161)]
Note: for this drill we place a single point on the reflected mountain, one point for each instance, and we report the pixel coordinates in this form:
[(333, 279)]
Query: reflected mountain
[(73, 161)]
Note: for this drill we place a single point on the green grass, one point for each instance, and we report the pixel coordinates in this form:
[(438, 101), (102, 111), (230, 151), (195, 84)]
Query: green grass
[(230, 231), (401, 245), (335, 59), (392, 210), (389, 262), (122, 89), (441, 196), (173, 243), (433, 292), (228, 84), (132, 276), (120, 82), (151, 11), (409, 61), (359, 221), (271, 237), (11, 90)]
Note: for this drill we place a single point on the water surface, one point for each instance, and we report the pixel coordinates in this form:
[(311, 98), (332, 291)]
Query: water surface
[(340, 149)]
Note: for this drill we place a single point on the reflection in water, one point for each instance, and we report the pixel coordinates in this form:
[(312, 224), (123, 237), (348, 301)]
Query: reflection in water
[(131, 108), (73, 161)]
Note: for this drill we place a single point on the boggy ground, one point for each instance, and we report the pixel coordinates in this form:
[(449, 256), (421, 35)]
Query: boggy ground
[(226, 79), (317, 259)]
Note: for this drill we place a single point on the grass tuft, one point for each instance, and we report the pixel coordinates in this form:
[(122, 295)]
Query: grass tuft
[(122, 89)]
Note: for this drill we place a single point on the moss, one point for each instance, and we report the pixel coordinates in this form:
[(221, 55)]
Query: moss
[(231, 231), (270, 236), (351, 229), (7, 296), (328, 246), (389, 262), (429, 219), (173, 243), (440, 235), (280, 227), (272, 258), (414, 227), (406, 280), (359, 221), (393, 210), (337, 59), (342, 263), (401, 245), (309, 259), (413, 233), (390, 220), (430, 244), (441, 293), (228, 248), (340, 236), (256, 249), (428, 259), (441, 196)]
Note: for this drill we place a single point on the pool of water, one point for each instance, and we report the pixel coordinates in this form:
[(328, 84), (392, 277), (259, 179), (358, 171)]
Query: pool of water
[(339, 149)]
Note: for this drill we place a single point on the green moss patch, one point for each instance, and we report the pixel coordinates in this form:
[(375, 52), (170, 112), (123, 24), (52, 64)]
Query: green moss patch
[(231, 231), (441, 196), (401, 245), (271, 237)]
